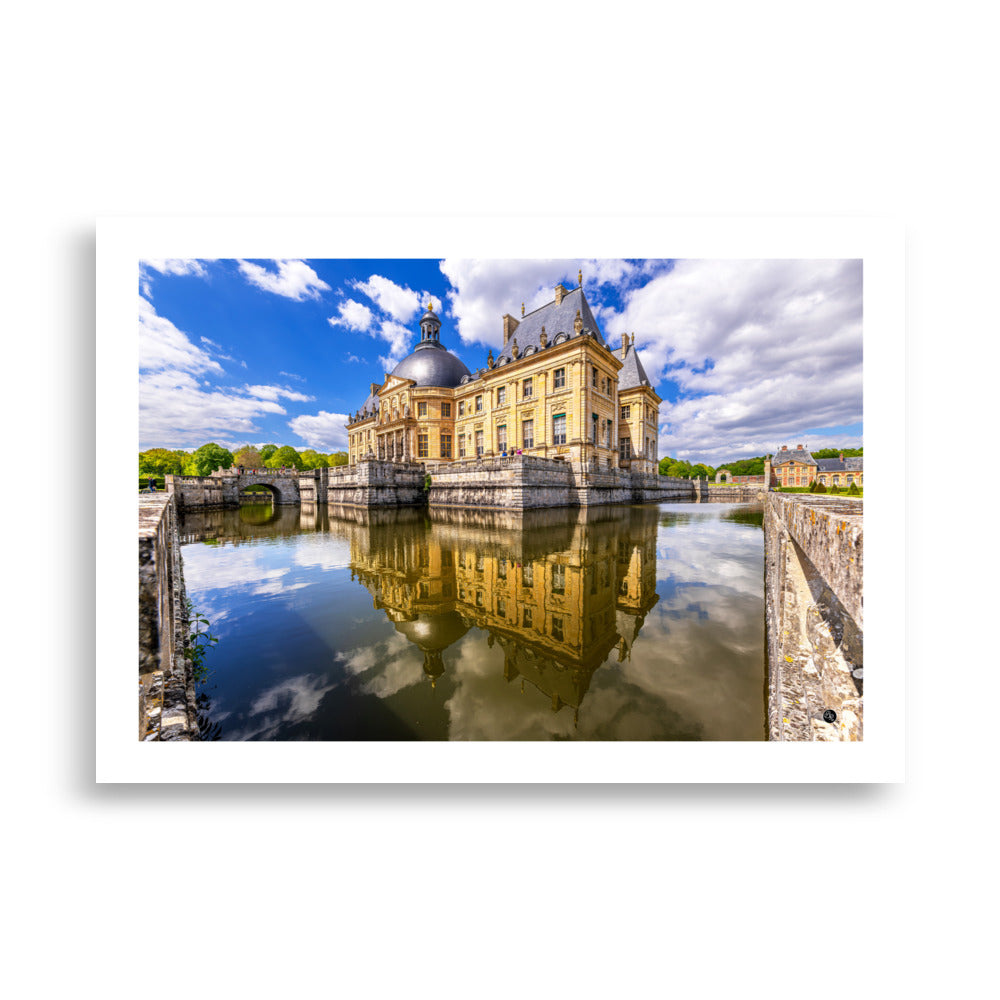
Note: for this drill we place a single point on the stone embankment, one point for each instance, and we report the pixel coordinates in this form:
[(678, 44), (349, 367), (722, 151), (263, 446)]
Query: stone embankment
[(513, 482), (167, 708), (815, 616)]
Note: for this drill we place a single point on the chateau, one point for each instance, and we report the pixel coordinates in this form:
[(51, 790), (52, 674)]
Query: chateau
[(556, 390)]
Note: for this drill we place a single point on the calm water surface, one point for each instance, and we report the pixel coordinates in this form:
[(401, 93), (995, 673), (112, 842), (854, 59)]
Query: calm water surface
[(614, 623)]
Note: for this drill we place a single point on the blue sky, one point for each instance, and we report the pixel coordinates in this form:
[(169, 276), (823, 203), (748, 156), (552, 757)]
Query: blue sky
[(747, 355)]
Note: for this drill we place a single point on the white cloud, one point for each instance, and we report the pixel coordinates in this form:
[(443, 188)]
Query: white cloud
[(484, 290), (274, 392), (400, 302), (322, 431), (174, 410), (162, 346), (176, 407), (295, 279), (170, 265), (353, 315), (761, 350)]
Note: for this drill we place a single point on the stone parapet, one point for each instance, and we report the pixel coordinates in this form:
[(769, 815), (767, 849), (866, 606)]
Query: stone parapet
[(814, 565), (166, 687)]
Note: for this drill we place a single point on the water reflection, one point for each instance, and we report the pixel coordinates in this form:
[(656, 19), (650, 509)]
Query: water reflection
[(608, 623)]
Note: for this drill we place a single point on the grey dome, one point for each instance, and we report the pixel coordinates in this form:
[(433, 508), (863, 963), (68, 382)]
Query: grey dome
[(431, 364)]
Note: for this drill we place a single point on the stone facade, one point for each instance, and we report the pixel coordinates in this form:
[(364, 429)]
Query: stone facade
[(166, 688), (550, 393), (815, 616)]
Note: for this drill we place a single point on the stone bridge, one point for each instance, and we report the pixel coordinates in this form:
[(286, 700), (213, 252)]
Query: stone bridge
[(814, 568), (223, 488)]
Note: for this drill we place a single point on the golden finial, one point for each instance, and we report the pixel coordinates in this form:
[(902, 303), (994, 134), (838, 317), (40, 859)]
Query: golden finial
[(522, 308), (430, 306), (579, 276)]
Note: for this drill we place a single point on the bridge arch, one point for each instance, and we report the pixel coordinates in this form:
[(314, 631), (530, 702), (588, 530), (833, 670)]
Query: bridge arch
[(723, 476), (284, 489)]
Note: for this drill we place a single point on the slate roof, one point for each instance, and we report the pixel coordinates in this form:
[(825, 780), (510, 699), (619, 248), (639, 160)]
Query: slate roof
[(556, 318), (632, 373), (798, 455), (430, 363), (855, 464)]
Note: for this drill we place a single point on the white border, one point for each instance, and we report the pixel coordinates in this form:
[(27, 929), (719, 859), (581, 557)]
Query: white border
[(122, 242)]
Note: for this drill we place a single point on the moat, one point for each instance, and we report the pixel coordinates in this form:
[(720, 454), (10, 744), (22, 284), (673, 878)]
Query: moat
[(606, 623)]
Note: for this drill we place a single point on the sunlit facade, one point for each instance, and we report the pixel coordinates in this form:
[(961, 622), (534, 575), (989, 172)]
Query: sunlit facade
[(556, 389)]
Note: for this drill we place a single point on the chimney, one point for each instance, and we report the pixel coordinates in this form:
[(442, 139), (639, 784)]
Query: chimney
[(624, 341), (798, 447), (560, 292), (509, 326), (374, 388), (841, 458), (784, 447)]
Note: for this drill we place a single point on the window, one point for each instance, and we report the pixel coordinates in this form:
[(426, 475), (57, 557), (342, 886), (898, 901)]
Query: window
[(559, 378), (461, 446), (502, 569), (446, 446), (557, 632), (607, 433), (528, 433), (446, 409), (502, 437), (479, 404), (626, 412), (479, 443), (501, 607), (528, 575), (421, 409), (502, 396), (421, 446), (593, 377), (425, 590), (593, 428), (559, 428), (558, 579), (624, 449), (527, 388), (527, 617), (461, 407)]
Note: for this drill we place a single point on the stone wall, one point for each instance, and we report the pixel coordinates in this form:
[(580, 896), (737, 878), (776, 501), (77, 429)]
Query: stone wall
[(166, 688), (813, 586), (370, 483)]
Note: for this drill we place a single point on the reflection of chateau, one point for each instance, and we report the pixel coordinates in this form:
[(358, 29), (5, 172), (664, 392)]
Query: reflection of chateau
[(559, 590)]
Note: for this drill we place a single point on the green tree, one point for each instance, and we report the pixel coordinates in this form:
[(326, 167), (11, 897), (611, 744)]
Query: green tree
[(206, 459), (159, 462), (338, 458), (853, 489), (267, 451), (312, 459), (836, 452), (286, 457), (249, 457), (820, 487)]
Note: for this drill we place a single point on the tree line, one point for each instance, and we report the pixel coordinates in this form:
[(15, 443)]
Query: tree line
[(205, 460), (742, 467)]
